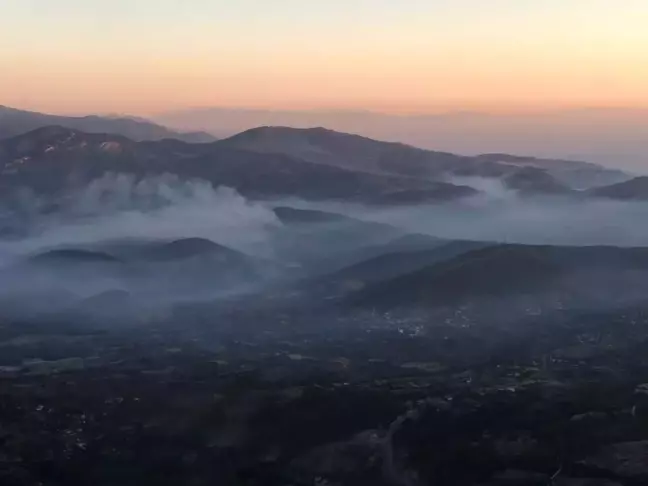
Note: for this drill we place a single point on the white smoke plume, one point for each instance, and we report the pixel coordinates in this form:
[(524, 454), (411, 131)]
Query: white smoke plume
[(120, 207)]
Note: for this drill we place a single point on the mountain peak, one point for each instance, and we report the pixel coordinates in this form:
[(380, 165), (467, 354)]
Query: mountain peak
[(324, 146), (278, 130)]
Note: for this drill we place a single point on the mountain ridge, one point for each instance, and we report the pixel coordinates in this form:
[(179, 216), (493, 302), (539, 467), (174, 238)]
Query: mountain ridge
[(633, 189), (50, 157), (506, 270), (16, 122), (372, 171), (607, 136), (358, 152)]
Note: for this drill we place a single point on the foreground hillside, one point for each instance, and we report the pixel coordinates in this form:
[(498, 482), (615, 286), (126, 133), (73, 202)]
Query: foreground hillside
[(541, 277), (354, 353)]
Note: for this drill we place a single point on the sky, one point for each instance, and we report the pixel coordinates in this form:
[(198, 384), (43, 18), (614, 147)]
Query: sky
[(144, 57)]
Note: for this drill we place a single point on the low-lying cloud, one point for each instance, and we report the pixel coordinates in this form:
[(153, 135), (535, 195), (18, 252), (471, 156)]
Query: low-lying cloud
[(119, 208), (502, 215)]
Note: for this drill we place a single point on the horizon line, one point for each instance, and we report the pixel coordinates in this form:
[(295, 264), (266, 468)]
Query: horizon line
[(440, 112)]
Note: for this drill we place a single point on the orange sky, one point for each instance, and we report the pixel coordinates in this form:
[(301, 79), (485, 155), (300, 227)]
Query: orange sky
[(409, 56)]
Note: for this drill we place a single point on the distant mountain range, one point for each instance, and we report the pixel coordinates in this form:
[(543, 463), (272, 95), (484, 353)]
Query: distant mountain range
[(17, 122), (323, 146), (54, 158), (277, 161), (609, 136)]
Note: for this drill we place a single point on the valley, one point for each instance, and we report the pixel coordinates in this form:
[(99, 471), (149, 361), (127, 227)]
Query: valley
[(305, 307)]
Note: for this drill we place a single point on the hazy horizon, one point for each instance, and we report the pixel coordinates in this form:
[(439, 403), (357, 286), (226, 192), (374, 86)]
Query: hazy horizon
[(612, 137), (429, 112), (563, 79)]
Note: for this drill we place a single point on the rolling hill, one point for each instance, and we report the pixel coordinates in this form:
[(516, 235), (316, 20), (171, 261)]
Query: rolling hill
[(388, 264), (633, 189), (578, 274)]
